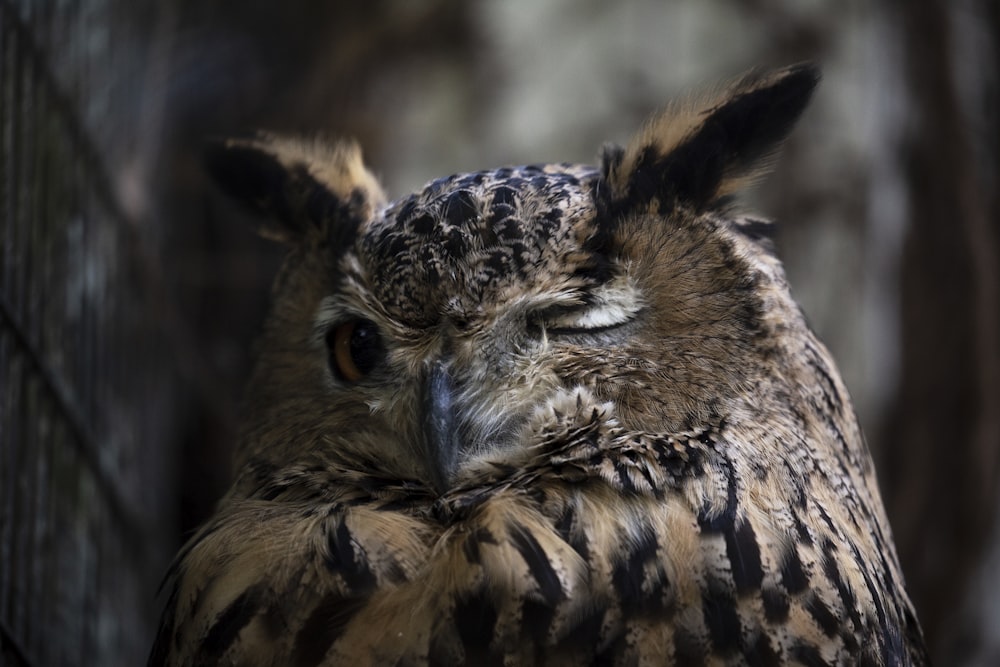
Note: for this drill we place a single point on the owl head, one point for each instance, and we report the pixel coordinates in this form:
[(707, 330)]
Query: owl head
[(424, 338)]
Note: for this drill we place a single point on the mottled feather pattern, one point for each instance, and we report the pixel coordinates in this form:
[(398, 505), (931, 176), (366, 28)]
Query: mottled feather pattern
[(553, 414)]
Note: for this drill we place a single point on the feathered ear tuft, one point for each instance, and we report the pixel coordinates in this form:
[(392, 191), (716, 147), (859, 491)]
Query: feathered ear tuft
[(301, 187), (696, 154)]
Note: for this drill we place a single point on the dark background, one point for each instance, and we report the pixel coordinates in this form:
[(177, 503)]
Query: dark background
[(131, 293)]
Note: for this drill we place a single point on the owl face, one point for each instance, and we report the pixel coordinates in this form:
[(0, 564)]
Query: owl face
[(474, 289), (419, 338)]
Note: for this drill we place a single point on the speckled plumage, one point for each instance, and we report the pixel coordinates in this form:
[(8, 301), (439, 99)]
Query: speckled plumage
[(590, 425)]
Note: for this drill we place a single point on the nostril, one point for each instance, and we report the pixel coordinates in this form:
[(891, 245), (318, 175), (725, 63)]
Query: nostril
[(461, 323)]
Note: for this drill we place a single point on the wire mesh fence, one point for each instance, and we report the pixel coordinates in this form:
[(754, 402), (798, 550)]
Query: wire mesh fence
[(84, 369)]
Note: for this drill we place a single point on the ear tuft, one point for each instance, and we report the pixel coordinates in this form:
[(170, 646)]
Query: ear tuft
[(301, 187), (611, 159), (697, 154)]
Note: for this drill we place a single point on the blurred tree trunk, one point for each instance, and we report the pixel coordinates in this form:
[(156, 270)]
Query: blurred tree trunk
[(940, 454)]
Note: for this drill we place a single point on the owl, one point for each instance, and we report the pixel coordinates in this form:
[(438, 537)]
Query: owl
[(541, 415)]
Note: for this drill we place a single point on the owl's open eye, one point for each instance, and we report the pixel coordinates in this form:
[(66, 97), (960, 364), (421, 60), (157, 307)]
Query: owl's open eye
[(355, 349)]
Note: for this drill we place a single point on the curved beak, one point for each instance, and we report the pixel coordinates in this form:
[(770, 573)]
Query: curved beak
[(441, 439)]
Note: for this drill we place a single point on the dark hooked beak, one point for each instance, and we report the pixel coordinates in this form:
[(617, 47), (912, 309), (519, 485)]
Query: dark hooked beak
[(441, 439)]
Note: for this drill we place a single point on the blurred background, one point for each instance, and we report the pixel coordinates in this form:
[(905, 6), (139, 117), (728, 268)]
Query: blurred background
[(131, 293)]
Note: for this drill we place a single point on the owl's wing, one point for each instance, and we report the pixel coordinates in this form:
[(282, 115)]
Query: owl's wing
[(637, 548), (273, 582)]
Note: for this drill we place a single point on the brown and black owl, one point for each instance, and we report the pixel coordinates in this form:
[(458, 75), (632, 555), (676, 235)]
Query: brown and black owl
[(552, 414)]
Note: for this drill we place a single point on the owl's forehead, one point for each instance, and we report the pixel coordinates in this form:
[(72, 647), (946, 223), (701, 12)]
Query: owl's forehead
[(467, 238)]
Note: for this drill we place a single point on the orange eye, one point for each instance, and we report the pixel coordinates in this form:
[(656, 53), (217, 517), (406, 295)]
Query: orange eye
[(355, 349)]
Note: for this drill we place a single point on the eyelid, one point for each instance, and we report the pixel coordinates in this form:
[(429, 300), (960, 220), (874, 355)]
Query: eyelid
[(563, 320), (576, 331)]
